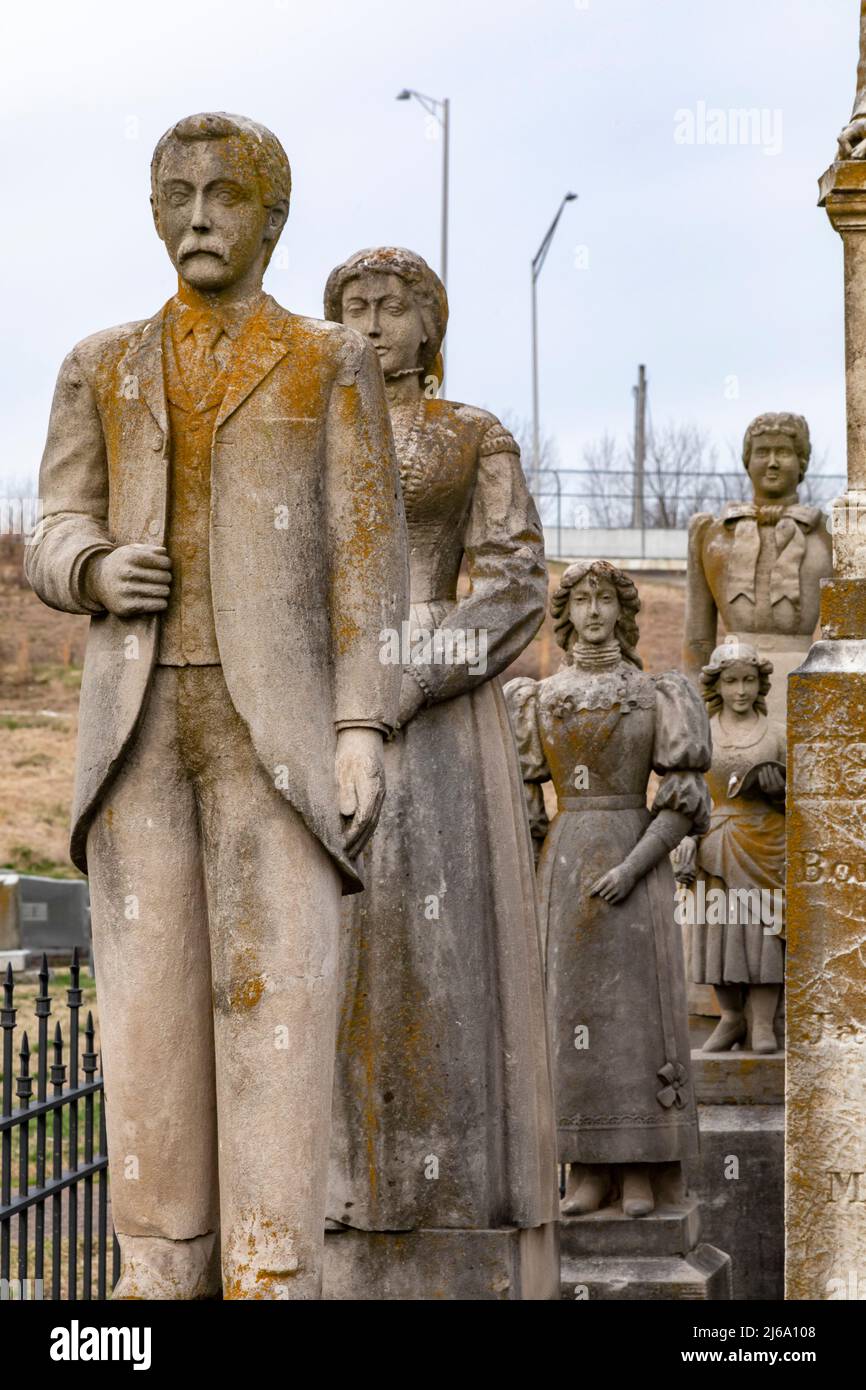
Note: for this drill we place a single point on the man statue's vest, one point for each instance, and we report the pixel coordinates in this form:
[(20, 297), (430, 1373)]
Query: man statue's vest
[(188, 634)]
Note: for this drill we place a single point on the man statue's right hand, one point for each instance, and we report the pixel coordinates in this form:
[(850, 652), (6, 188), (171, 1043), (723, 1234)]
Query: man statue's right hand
[(130, 580)]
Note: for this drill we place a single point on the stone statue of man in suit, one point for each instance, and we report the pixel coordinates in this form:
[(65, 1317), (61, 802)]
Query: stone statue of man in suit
[(221, 494)]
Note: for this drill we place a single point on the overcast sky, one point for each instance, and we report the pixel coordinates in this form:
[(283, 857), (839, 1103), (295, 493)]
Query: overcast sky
[(709, 262)]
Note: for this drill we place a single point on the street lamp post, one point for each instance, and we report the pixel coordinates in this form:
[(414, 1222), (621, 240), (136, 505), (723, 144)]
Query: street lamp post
[(441, 110), (537, 262)]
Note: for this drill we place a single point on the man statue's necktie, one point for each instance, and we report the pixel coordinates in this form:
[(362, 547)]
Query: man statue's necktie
[(201, 367)]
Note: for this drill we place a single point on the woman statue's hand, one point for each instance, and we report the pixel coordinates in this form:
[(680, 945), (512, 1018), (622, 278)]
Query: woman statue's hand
[(615, 885), (685, 860), (771, 781)]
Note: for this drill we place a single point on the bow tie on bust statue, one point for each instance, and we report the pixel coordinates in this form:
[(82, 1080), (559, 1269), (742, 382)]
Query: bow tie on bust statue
[(792, 524)]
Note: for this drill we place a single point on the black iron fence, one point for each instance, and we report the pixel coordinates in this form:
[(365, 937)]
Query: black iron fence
[(56, 1238)]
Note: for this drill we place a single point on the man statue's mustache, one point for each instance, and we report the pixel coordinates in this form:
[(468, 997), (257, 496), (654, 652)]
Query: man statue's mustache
[(192, 246)]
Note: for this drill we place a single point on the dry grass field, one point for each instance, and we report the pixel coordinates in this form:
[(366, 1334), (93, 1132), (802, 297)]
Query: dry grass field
[(41, 653)]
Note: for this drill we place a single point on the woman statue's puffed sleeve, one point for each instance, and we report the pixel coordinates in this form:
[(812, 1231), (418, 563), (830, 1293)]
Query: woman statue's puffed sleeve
[(521, 697), (682, 750), (504, 549)]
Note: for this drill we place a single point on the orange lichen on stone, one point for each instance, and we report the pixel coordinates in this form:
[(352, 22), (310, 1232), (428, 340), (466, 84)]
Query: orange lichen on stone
[(270, 1260), (248, 993)]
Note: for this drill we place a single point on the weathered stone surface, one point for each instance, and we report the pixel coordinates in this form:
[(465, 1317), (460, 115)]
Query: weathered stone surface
[(740, 1182), (704, 1275), (504, 1264), (825, 1139), (826, 1084)]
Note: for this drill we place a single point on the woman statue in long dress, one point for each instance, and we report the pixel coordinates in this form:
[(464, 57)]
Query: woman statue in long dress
[(443, 1112), (615, 974), (738, 947)]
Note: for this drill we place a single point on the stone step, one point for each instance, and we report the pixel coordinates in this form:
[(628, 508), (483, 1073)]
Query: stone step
[(669, 1230), (738, 1078), (704, 1275)]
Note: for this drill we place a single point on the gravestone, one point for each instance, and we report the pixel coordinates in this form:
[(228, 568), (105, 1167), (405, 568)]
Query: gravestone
[(54, 914)]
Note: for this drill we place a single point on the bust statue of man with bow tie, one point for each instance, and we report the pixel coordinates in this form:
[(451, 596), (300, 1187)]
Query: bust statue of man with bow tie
[(221, 495), (758, 567)]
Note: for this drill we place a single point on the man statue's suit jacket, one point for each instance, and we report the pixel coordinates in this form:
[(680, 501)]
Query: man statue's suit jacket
[(308, 554)]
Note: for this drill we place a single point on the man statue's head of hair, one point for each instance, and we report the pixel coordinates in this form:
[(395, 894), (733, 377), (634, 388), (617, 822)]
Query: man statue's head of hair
[(220, 190)]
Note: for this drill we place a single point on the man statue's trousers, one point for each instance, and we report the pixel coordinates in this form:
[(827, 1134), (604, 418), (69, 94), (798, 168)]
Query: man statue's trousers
[(215, 922)]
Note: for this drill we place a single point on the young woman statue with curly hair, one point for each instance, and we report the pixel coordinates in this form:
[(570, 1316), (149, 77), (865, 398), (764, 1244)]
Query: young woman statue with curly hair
[(598, 729)]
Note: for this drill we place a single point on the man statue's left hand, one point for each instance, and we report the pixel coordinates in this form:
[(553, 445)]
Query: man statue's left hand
[(360, 784)]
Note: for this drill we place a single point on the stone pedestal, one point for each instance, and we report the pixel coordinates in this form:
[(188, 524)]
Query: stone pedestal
[(740, 1178), (826, 1092), (658, 1257), (825, 1211), (506, 1264), (738, 1078)]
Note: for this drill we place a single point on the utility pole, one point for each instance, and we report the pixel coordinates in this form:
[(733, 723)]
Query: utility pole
[(639, 392)]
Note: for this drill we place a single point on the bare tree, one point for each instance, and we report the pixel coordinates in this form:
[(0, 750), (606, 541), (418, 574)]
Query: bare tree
[(678, 475), (605, 496), (19, 485), (680, 471)]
